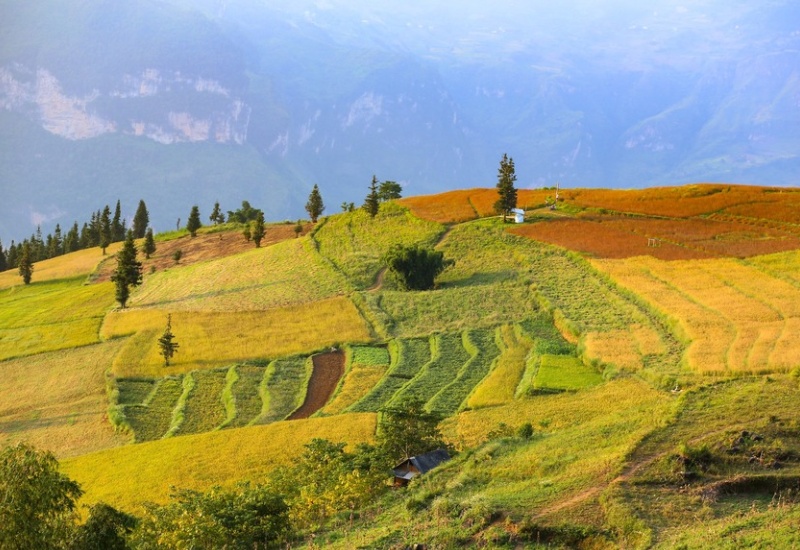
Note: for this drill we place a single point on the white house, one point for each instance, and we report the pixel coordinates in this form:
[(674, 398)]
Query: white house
[(519, 215)]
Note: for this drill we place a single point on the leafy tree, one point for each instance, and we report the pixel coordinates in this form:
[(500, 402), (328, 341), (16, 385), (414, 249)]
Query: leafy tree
[(194, 223), (245, 214), (415, 267), (140, 220), (3, 261), (217, 217), (106, 529), (372, 202), (408, 430), (315, 207), (25, 263), (128, 272), (298, 228), (37, 502), (389, 190), (177, 255), (167, 344), (258, 230), (506, 191), (104, 229), (149, 245), (246, 517)]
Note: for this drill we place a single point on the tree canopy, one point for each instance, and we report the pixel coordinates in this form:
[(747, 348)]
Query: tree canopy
[(408, 430), (194, 223), (507, 193), (415, 267), (140, 220), (257, 234), (389, 190)]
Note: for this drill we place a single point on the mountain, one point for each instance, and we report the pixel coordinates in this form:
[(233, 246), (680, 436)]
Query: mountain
[(232, 100)]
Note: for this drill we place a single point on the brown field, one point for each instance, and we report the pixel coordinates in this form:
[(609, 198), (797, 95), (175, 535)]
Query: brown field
[(608, 236), (468, 204)]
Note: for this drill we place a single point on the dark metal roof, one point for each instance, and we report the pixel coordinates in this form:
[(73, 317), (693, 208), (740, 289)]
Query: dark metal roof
[(423, 463)]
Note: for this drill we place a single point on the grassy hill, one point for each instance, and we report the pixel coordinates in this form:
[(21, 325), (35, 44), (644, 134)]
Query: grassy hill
[(649, 339)]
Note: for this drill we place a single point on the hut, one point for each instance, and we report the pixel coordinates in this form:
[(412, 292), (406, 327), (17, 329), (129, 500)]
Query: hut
[(519, 215), (418, 465)]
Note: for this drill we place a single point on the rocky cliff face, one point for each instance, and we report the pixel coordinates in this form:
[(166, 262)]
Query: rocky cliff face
[(139, 106)]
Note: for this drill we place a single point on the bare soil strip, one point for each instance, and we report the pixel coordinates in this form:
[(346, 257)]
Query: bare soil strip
[(328, 369)]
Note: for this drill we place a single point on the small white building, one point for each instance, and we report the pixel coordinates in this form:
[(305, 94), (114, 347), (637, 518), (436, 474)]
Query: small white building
[(519, 215)]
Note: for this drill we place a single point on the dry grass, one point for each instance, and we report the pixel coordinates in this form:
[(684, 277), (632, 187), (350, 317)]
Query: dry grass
[(128, 476), (213, 339), (499, 387), (737, 317), (364, 372), (57, 401), (624, 349), (468, 204), (69, 266)]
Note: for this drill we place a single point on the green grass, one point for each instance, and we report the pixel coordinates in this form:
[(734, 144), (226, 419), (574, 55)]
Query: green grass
[(354, 242), (448, 357), (51, 315), (246, 395), (134, 391), (204, 409), (283, 388), (481, 346), (564, 372), (407, 359), (257, 279), (153, 419), (369, 355)]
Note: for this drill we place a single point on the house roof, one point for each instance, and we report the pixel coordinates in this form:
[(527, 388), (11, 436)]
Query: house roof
[(422, 463)]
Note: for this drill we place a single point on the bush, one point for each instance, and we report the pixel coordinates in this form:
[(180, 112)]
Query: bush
[(415, 267)]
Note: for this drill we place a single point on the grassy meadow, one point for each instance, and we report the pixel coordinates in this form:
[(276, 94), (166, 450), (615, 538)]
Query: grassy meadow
[(596, 392)]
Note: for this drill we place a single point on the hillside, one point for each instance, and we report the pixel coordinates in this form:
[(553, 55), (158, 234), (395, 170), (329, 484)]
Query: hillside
[(648, 339)]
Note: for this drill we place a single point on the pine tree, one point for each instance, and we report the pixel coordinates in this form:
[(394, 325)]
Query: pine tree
[(55, 246), (149, 245), (72, 241), (506, 191), (3, 261), (12, 257), (257, 234), (166, 343), (38, 250), (26, 263), (315, 207), (140, 221), (128, 272), (372, 202), (117, 225), (194, 223), (104, 235), (217, 217)]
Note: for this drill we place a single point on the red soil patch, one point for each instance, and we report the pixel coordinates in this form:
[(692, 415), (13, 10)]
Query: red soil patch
[(680, 239), (328, 370), (203, 247)]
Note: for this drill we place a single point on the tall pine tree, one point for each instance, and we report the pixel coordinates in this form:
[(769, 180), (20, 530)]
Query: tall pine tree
[(140, 221), (372, 202), (104, 229), (315, 207), (166, 342), (117, 225), (149, 245), (3, 261), (128, 272), (257, 234), (507, 193), (194, 223), (25, 263), (217, 217)]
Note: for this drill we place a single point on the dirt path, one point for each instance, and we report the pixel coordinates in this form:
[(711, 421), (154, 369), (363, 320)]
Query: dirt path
[(328, 369)]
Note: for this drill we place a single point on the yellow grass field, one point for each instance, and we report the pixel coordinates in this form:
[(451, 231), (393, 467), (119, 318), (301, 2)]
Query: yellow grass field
[(212, 339), (738, 317), (128, 476), (83, 262), (57, 401), (52, 315), (625, 349), (356, 384), (499, 387), (261, 278)]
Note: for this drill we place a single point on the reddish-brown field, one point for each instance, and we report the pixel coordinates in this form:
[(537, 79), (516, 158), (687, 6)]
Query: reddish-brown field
[(203, 247), (328, 369), (468, 204), (678, 239)]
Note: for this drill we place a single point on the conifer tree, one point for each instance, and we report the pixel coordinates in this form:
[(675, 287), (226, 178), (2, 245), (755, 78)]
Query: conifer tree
[(105, 229), (140, 221), (55, 245), (149, 245), (167, 344), (3, 261), (506, 191), (128, 272), (117, 225), (194, 223), (217, 217), (257, 234), (26, 263), (12, 257), (315, 207), (72, 241), (372, 202)]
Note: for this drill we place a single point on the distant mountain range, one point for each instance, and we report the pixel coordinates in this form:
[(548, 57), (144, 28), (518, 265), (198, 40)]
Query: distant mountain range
[(183, 103)]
